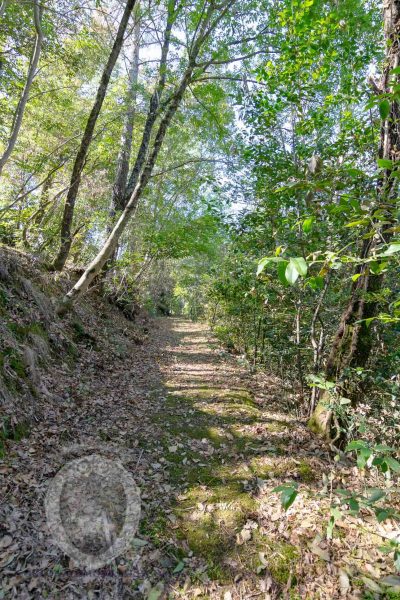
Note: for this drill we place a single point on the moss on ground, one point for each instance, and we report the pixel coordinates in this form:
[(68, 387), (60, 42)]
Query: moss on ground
[(21, 332), (14, 361), (82, 336), (13, 433), (281, 558), (214, 505)]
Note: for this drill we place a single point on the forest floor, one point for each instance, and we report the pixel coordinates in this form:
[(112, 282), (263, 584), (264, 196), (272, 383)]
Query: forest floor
[(207, 442)]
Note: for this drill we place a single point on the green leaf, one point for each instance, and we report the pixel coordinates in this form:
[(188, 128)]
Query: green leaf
[(179, 567), (357, 223), (384, 109), (262, 264), (355, 172), (377, 267), (291, 273), (343, 492), (329, 529), (300, 265), (385, 163), (355, 445), (281, 271), (382, 514), (383, 448), (354, 505), (345, 400), (320, 382), (316, 283), (393, 464), (288, 496), (307, 224), (375, 494), (384, 467), (363, 456), (392, 249), (335, 515)]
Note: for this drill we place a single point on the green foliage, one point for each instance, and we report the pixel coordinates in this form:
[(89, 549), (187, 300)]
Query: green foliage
[(288, 494), (261, 214), (379, 456)]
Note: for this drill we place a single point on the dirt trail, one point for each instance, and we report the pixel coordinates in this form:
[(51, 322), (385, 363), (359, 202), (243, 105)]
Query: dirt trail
[(206, 443)]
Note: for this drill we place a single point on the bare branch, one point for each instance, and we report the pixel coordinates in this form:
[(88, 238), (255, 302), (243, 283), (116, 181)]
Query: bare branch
[(189, 162), (228, 61)]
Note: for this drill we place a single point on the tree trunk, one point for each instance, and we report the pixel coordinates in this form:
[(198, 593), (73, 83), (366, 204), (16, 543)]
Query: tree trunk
[(3, 7), (122, 191), (203, 32), (37, 216), (352, 343), (66, 223), (317, 344), (153, 109), (107, 250), (19, 112), (118, 195)]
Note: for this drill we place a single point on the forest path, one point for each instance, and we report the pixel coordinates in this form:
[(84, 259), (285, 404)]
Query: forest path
[(206, 442), (225, 445)]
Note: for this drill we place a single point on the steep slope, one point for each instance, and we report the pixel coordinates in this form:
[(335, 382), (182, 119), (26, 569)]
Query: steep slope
[(35, 345)]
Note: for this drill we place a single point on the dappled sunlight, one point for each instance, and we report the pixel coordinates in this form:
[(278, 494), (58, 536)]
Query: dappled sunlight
[(231, 453)]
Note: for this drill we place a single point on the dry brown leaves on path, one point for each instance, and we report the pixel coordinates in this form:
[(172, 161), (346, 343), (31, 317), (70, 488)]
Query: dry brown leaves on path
[(207, 443)]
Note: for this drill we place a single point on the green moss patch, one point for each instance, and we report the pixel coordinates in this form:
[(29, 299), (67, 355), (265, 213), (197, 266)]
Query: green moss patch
[(13, 433), (21, 332)]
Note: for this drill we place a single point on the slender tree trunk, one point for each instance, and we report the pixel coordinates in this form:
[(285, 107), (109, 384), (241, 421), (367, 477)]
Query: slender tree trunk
[(153, 108), (107, 250), (317, 345), (67, 218), (19, 112), (353, 340), (123, 190), (3, 7), (38, 214), (299, 361), (256, 339), (121, 179), (171, 107), (118, 193)]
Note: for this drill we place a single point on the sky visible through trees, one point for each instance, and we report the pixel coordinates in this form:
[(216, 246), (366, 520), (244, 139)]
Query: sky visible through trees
[(232, 163)]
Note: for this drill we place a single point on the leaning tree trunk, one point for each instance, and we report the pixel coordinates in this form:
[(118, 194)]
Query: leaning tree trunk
[(19, 112), (203, 33), (109, 247), (353, 340), (66, 223), (121, 178), (153, 111), (117, 203)]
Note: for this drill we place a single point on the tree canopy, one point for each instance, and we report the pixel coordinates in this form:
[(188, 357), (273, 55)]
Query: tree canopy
[(235, 162)]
